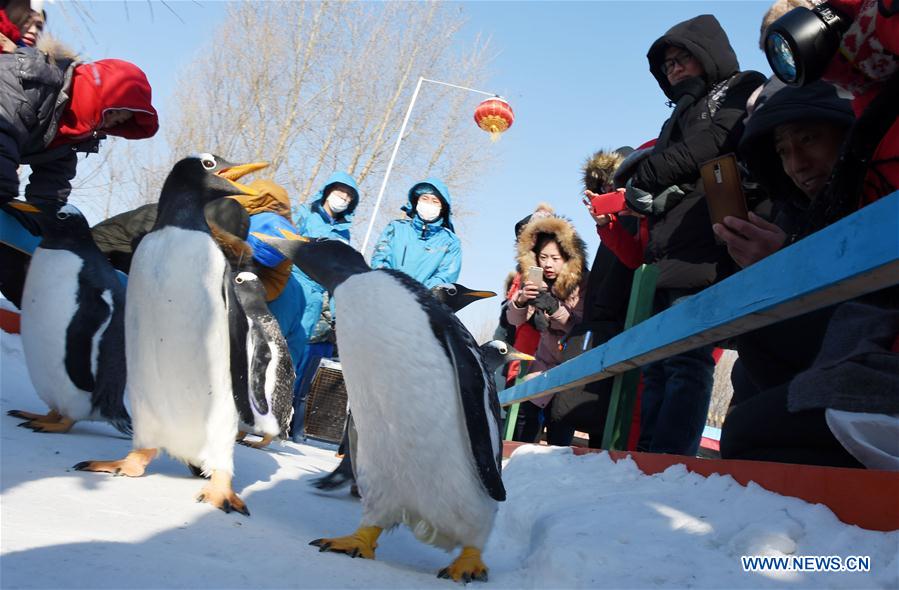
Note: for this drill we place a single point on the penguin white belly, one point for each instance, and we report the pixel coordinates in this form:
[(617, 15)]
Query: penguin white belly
[(177, 349), (49, 302), (414, 459)]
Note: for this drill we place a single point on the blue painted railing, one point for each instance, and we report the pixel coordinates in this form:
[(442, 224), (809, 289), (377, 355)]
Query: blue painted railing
[(856, 255)]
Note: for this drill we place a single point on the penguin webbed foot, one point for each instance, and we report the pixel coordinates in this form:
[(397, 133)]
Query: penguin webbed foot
[(133, 465), (466, 568), (361, 543), (340, 477), (51, 416), (61, 426), (259, 444), (218, 493)]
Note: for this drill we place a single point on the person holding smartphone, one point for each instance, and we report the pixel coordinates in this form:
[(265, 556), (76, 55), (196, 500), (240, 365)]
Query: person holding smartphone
[(552, 257)]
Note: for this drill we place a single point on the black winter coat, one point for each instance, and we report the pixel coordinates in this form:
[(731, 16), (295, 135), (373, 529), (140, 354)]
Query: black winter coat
[(33, 95), (706, 123)]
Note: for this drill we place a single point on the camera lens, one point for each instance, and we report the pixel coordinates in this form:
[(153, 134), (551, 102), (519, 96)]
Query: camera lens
[(800, 44), (781, 58)]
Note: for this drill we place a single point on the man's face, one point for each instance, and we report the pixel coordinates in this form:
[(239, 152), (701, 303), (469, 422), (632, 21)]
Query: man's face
[(808, 151), (679, 64)]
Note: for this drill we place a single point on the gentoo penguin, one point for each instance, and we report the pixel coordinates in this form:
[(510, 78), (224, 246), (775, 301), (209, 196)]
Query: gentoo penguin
[(268, 408), (73, 328), (184, 374), (454, 296), (410, 364), (496, 354)]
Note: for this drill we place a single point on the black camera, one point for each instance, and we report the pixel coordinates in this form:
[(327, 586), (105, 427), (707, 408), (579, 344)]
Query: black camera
[(800, 44)]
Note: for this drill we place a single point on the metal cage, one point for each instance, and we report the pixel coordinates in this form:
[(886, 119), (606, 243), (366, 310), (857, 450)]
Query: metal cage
[(326, 403)]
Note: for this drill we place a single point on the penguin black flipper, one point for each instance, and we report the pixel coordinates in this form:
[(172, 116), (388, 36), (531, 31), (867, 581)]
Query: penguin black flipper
[(480, 406), (109, 394), (99, 308), (238, 328)]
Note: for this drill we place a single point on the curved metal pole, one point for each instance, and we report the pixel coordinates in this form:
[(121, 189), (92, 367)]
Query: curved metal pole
[(396, 147)]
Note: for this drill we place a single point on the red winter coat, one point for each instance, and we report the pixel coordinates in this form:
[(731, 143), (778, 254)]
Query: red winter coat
[(101, 86)]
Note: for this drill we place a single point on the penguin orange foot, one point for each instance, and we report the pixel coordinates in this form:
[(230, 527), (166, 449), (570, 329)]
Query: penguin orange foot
[(362, 543), (220, 494), (62, 425), (133, 465), (51, 416), (259, 444), (467, 567)]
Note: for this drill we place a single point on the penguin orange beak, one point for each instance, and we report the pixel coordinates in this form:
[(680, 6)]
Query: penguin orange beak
[(239, 171), (288, 235), (520, 356), (481, 294), (23, 207), (241, 189)]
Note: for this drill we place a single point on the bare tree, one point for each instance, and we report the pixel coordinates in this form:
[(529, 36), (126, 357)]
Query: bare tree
[(317, 86)]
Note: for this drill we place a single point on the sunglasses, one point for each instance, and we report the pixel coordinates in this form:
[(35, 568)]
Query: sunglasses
[(681, 59)]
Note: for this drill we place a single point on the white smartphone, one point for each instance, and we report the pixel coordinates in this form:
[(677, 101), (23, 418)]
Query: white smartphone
[(535, 275)]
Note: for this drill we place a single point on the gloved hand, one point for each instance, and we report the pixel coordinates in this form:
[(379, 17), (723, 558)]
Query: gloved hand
[(540, 321), (546, 302)]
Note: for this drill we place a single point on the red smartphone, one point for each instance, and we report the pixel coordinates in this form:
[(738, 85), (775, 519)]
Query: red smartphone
[(608, 203)]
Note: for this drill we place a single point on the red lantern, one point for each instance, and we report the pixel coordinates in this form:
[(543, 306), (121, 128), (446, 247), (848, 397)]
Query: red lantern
[(494, 116)]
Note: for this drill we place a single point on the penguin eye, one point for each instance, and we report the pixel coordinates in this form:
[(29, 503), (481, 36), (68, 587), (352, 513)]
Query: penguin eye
[(238, 280), (451, 290), (208, 163), (62, 215), (503, 350)]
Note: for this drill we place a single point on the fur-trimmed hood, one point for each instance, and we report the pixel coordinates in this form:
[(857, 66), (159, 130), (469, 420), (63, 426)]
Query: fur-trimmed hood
[(599, 168), (575, 268)]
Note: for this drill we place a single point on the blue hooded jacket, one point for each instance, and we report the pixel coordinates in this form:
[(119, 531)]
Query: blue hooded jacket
[(312, 221), (430, 253)]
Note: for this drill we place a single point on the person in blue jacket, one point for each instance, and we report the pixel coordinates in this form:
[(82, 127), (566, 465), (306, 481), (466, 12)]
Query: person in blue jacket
[(424, 246), (328, 214)]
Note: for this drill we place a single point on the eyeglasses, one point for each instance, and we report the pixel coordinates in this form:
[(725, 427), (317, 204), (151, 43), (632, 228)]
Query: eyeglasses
[(681, 59)]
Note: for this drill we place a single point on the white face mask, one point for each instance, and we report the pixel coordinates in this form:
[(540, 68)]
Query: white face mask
[(337, 204), (428, 211)]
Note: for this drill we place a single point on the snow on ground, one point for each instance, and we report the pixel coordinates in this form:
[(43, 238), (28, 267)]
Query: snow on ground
[(570, 522)]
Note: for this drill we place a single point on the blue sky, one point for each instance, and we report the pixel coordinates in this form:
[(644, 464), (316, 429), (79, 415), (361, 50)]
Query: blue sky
[(575, 74)]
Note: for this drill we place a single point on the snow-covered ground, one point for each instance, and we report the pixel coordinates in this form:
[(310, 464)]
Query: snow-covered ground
[(569, 522)]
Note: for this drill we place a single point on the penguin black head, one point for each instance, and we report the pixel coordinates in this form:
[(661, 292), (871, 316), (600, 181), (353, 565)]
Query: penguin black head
[(497, 353), (327, 262), (59, 222), (456, 296), (192, 183), (231, 171), (250, 292)]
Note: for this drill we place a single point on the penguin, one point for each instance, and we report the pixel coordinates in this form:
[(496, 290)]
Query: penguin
[(268, 409), (424, 405), (184, 370), (73, 328), (454, 296), (496, 353)]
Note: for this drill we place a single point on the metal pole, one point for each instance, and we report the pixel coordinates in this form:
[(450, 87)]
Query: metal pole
[(396, 147)]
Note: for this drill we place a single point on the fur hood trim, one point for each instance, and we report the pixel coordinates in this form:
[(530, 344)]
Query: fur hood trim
[(574, 269), (599, 170), (58, 53)]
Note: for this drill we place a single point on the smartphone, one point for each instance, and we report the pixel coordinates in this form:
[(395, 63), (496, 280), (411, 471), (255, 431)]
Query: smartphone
[(724, 188), (608, 203), (535, 275)]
